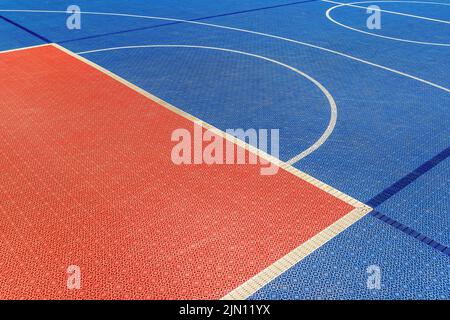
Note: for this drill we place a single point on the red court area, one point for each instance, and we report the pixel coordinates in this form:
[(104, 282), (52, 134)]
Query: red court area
[(87, 179)]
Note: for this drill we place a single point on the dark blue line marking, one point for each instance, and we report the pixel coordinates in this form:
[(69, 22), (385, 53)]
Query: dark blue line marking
[(179, 22), (400, 185), (25, 29), (408, 179), (411, 232)]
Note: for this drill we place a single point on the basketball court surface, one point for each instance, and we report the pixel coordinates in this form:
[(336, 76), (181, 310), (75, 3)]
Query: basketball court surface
[(92, 205)]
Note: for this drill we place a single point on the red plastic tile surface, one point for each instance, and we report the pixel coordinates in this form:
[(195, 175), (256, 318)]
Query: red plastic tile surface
[(86, 179)]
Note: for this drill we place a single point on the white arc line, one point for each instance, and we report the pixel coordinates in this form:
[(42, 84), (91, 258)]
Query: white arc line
[(351, 4), (303, 154)]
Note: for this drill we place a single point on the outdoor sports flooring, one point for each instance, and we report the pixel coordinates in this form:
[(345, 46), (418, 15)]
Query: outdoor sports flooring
[(359, 207)]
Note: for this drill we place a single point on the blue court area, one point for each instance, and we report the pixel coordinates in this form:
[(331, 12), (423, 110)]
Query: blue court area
[(341, 268), (372, 104)]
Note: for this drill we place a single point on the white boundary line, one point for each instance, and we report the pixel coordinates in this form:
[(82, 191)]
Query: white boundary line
[(25, 48), (333, 108), (351, 4), (245, 31)]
